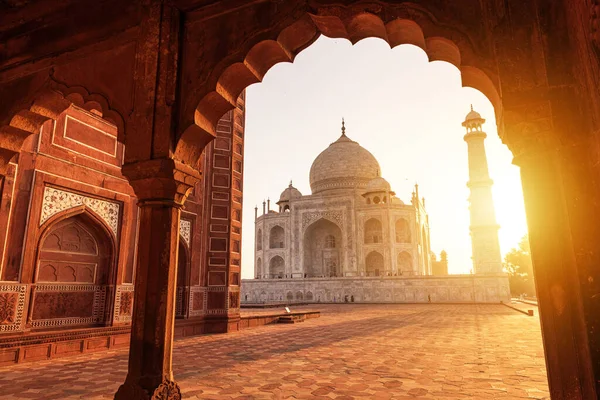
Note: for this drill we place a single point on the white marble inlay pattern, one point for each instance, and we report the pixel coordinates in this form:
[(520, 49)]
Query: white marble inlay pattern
[(185, 230), (56, 200)]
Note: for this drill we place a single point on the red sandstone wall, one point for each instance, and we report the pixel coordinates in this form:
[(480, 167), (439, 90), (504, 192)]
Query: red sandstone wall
[(75, 164)]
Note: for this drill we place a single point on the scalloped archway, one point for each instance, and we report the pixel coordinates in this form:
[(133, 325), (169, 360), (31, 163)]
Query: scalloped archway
[(476, 71)]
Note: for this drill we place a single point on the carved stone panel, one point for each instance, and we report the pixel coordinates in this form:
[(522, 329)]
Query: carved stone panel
[(185, 231), (66, 305), (57, 200), (12, 307), (124, 303)]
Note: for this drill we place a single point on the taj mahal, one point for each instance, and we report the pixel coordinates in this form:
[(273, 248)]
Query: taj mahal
[(353, 240)]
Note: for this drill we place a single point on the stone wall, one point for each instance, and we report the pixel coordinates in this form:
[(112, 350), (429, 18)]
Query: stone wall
[(448, 289)]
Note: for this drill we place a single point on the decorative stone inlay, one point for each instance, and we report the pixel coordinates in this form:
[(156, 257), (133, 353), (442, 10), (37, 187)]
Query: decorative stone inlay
[(57, 200), (12, 307), (97, 310), (197, 301), (334, 216), (8, 308), (123, 296), (234, 298), (185, 230), (167, 390)]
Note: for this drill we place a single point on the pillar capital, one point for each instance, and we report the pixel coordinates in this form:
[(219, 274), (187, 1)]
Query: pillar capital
[(161, 181)]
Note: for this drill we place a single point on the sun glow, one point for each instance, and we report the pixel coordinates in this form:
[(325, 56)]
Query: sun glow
[(405, 110)]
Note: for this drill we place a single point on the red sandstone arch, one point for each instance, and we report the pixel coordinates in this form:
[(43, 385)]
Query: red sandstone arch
[(48, 104), (428, 34), (72, 280)]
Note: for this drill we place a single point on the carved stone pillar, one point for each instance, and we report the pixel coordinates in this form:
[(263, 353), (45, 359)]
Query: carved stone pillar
[(560, 189), (161, 187)]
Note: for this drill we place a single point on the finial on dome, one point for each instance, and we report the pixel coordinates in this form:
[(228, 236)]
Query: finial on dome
[(290, 183), (471, 107), (343, 127)]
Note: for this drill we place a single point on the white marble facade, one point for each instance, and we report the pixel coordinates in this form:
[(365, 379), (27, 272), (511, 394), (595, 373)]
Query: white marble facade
[(351, 236), (421, 289)]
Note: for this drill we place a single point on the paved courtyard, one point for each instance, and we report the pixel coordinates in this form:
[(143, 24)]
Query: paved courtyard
[(351, 352)]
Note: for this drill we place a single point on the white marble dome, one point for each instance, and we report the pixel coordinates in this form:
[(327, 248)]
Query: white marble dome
[(343, 165), (290, 193), (378, 184), (472, 115)]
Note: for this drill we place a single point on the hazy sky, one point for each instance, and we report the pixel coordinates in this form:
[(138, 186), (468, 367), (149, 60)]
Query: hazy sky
[(406, 111)]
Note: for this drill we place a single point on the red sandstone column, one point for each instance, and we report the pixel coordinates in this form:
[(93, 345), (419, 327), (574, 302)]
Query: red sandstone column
[(552, 235), (161, 187)]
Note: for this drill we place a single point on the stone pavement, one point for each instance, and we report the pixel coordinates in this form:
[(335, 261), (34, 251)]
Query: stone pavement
[(422, 351)]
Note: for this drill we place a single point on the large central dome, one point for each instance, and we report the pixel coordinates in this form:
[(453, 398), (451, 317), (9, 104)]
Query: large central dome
[(343, 165)]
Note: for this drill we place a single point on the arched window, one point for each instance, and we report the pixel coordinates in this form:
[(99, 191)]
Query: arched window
[(259, 240), (373, 231), (376, 200), (330, 242), (259, 268), (404, 262), (277, 238), (290, 296), (402, 231), (309, 296), (276, 267), (374, 264), (299, 296)]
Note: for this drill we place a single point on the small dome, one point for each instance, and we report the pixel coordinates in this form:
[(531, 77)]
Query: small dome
[(290, 193), (343, 165), (396, 200), (472, 115), (378, 184)]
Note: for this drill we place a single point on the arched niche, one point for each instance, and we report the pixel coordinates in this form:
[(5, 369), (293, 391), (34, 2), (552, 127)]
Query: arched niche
[(277, 237), (373, 231), (259, 271), (75, 263), (276, 267), (402, 231), (259, 240), (183, 273), (374, 264), (404, 263), (322, 249)]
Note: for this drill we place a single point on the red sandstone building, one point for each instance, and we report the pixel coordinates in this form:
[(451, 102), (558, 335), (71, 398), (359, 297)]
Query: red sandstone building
[(69, 233), (163, 73)]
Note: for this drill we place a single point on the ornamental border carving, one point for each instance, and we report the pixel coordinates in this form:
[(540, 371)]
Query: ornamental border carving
[(21, 291), (117, 310), (336, 216), (185, 230), (197, 291), (57, 200), (216, 289), (97, 308)]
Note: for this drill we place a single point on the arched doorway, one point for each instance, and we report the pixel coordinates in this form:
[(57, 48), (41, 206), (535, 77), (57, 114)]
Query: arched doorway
[(404, 263), (322, 245), (276, 267), (181, 300), (402, 231), (374, 264), (73, 269)]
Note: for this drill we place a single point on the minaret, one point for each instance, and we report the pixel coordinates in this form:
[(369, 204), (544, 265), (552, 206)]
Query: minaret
[(484, 229)]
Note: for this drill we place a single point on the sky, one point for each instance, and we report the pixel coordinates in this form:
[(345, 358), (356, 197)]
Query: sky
[(405, 110)]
